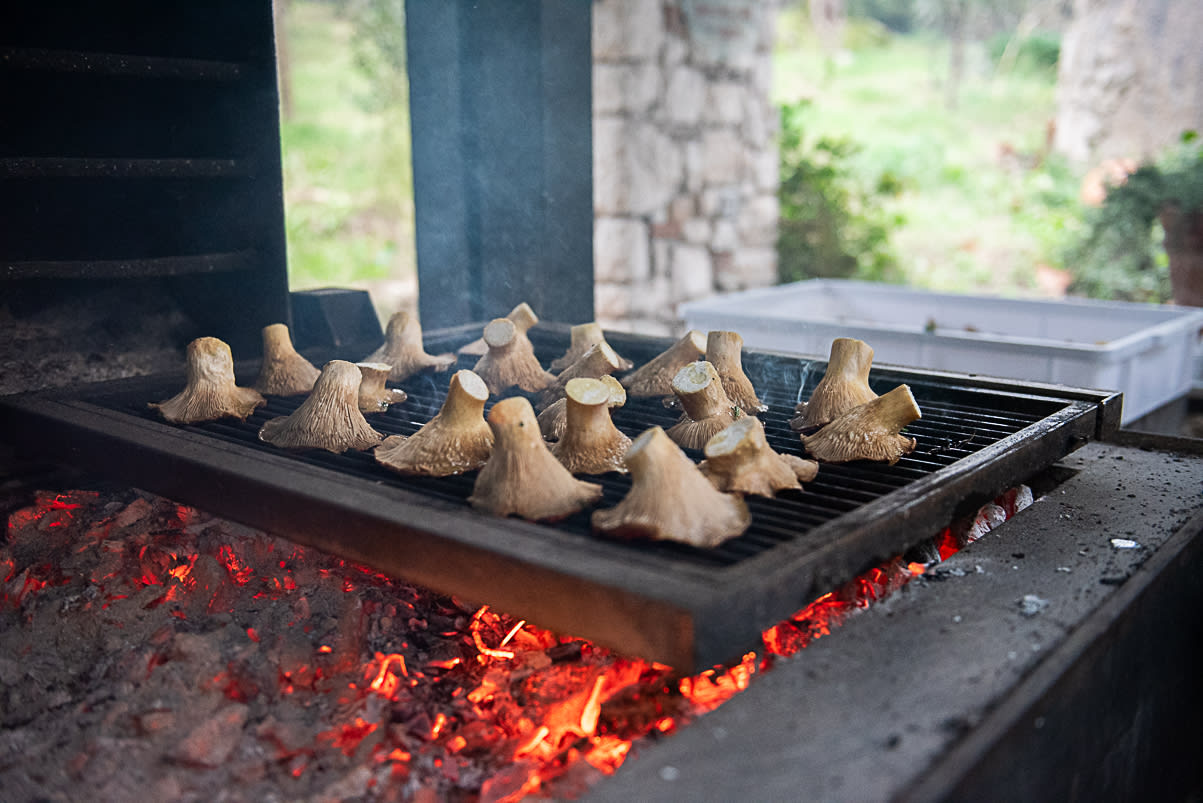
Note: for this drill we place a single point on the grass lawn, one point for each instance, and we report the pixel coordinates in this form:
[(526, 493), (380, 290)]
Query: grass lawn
[(347, 176), (985, 205)]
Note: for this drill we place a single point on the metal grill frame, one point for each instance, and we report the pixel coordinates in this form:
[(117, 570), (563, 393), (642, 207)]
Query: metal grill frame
[(651, 603)]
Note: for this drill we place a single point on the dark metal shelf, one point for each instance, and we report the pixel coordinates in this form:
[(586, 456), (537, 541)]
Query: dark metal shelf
[(118, 64), (39, 167), (184, 265)]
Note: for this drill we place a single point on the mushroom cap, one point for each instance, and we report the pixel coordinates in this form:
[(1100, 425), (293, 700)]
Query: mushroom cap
[(522, 477), (210, 392), (329, 418), (670, 499), (456, 440), (869, 431), (374, 396)]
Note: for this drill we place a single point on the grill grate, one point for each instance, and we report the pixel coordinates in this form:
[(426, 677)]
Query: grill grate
[(949, 430), (669, 602)]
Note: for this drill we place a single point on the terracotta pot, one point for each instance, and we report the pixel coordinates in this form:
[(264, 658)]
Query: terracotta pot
[(1184, 247)]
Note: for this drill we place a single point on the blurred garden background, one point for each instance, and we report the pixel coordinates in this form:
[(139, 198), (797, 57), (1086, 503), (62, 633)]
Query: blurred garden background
[(916, 147)]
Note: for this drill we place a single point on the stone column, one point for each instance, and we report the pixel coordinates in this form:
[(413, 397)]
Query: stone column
[(685, 165)]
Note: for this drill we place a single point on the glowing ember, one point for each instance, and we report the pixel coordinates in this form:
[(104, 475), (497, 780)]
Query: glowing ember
[(308, 677)]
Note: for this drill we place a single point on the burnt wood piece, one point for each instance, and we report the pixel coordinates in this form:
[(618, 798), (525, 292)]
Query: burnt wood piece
[(680, 605)]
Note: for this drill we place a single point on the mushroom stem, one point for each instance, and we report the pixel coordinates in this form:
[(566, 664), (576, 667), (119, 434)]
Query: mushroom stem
[(374, 397), (456, 440), (598, 361), (845, 384), (671, 499), (510, 360), (283, 372), (708, 410), (655, 378), (329, 418), (522, 477), (582, 337), (723, 351), (210, 392), (523, 317), (868, 432), (403, 349), (554, 419), (740, 460), (591, 443)]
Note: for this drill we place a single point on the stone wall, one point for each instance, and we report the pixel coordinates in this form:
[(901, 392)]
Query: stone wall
[(685, 164)]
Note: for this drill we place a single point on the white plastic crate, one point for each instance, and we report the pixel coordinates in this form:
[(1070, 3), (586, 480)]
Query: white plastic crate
[(1147, 351)]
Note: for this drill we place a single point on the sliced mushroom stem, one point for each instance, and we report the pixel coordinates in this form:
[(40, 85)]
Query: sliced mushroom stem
[(655, 378), (868, 432), (510, 360), (523, 317), (740, 460), (671, 499), (845, 384), (591, 444), (456, 440), (724, 352), (210, 391), (522, 477), (329, 418), (708, 410), (284, 372), (403, 349), (374, 396), (598, 360), (554, 419), (582, 336)]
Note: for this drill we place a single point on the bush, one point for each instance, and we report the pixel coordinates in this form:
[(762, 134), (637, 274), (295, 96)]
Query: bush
[(832, 225), (897, 15), (1121, 254), (1038, 53)]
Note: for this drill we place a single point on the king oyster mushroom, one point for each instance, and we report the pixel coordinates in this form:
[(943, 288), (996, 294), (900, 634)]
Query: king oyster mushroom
[(329, 418), (210, 392), (283, 372), (844, 385), (374, 397), (522, 477), (655, 378), (868, 432), (523, 317), (591, 444), (456, 440), (598, 360), (740, 460), (708, 410), (582, 336), (723, 351), (510, 360), (553, 420), (671, 499), (403, 349)]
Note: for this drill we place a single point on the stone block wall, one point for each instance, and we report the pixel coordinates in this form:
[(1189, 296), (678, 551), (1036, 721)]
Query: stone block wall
[(685, 164)]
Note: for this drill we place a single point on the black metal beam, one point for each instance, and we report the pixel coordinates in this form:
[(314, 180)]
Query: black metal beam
[(500, 107)]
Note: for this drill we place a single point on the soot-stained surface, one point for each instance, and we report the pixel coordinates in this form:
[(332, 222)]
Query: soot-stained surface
[(864, 714)]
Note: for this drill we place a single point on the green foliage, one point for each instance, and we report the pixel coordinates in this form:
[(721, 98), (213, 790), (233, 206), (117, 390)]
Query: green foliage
[(832, 224), (1121, 253), (1038, 53), (897, 15), (347, 178)]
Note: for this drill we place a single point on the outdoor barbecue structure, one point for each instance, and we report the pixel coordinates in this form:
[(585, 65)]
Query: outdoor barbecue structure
[(451, 651)]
